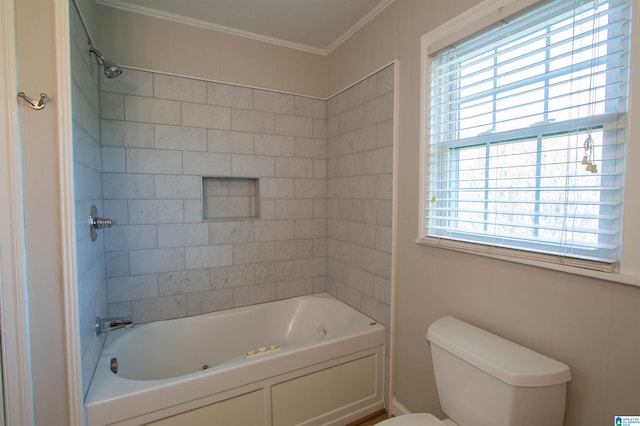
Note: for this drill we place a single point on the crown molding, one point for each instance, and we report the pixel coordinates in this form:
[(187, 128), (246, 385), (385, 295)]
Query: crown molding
[(361, 23), (123, 5)]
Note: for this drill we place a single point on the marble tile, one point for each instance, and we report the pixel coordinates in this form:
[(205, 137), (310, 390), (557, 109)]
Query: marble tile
[(362, 92), (293, 249), (155, 211), (254, 294), (252, 121), (125, 133), (273, 230), (179, 88), (210, 301), (126, 186), (231, 276), (183, 282), (294, 288), (180, 138), (227, 141), (111, 106), (377, 262), (206, 164), (273, 145), (294, 167), (276, 188), (294, 209), (183, 235), (314, 267), (280, 103), (378, 110), (113, 159), (150, 110), (225, 232), (310, 188), (252, 165), (310, 107), (310, 228), (229, 95), (130, 237), (132, 287), (208, 256), (117, 264), (258, 252), (274, 272), (311, 148), (320, 169), (385, 80), (290, 125), (319, 129), (157, 309), (157, 260), (206, 116), (178, 187)]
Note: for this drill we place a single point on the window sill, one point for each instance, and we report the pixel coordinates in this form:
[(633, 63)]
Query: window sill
[(525, 258)]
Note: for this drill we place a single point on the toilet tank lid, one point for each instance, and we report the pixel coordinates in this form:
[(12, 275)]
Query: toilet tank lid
[(501, 358)]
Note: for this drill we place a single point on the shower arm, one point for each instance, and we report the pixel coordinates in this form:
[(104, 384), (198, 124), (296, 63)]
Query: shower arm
[(97, 53)]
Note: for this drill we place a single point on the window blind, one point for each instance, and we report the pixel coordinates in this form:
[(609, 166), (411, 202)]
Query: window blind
[(527, 132)]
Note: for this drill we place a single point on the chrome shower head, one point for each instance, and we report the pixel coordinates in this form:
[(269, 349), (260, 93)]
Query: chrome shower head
[(111, 70)]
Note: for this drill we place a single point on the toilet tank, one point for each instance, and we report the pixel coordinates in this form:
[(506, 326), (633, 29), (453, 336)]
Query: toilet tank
[(485, 380)]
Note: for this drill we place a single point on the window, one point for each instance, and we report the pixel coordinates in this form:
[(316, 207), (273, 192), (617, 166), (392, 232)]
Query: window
[(526, 134)]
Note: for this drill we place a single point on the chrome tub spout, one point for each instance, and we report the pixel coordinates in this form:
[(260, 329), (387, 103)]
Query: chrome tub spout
[(104, 325)]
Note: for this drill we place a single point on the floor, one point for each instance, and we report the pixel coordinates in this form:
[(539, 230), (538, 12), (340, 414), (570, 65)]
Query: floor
[(370, 421)]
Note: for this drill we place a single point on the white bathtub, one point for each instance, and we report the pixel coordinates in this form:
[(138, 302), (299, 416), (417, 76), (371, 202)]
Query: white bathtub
[(317, 361)]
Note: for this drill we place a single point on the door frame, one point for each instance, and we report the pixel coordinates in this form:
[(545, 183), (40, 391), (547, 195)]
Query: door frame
[(62, 39), (13, 294), (16, 367)]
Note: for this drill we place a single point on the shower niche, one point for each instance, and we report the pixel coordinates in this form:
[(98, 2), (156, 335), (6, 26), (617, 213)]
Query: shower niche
[(230, 198)]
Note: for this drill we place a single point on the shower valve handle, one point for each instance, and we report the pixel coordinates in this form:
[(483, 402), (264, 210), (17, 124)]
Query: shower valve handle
[(101, 222), (96, 222)]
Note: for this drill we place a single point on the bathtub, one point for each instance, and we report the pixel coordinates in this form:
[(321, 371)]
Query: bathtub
[(307, 360)]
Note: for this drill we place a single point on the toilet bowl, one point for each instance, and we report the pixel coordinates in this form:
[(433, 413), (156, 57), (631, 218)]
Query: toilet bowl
[(419, 419), (503, 383)]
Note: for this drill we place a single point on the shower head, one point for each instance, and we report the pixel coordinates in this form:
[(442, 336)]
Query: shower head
[(111, 70)]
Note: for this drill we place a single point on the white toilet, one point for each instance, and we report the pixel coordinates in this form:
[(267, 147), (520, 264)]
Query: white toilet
[(485, 380)]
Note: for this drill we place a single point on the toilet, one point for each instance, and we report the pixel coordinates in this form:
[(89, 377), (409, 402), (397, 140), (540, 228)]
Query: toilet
[(485, 380)]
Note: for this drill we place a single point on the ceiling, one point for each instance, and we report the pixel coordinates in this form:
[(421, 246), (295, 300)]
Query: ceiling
[(317, 26)]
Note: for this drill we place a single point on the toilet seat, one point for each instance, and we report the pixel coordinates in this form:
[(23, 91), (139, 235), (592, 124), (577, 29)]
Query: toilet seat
[(419, 419)]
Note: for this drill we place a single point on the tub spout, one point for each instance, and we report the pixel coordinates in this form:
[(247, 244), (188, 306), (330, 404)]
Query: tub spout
[(104, 325)]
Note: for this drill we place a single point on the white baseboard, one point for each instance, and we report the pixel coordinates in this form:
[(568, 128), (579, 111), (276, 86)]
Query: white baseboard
[(397, 409)]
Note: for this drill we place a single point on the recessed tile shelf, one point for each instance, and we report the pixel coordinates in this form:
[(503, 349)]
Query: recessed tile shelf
[(230, 198)]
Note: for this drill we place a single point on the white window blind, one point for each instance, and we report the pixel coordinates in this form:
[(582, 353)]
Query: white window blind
[(527, 133)]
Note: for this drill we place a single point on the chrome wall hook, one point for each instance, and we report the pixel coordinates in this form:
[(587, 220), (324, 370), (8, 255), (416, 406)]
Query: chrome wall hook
[(37, 105)]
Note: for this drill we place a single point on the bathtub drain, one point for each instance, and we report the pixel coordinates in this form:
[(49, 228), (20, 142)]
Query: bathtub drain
[(205, 367)]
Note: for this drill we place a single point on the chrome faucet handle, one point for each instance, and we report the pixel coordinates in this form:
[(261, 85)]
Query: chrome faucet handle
[(96, 223), (101, 222)]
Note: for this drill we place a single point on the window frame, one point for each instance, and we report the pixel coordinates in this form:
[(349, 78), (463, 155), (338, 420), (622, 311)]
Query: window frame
[(474, 20)]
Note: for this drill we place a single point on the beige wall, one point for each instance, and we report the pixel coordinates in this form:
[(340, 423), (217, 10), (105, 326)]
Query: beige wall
[(589, 324), (37, 73), (141, 41)]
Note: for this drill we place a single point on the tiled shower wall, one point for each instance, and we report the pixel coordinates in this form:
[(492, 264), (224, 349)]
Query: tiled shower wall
[(160, 135), (359, 195), (87, 176)]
